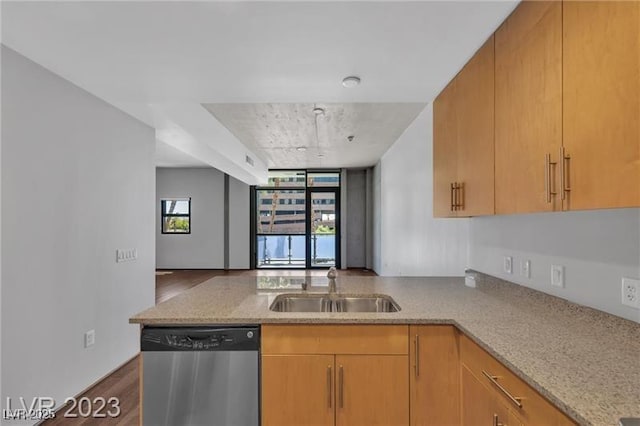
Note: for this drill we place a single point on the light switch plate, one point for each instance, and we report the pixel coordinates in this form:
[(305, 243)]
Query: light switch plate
[(89, 338), (525, 268), (508, 264), (557, 275)]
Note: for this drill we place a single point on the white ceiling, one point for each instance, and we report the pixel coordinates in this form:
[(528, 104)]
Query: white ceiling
[(278, 131), (168, 156), (133, 54)]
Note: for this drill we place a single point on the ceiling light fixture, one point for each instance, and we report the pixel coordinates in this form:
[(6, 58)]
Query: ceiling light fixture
[(318, 112), (351, 81), (301, 148)]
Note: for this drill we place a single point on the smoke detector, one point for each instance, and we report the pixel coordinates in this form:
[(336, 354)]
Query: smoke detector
[(351, 81)]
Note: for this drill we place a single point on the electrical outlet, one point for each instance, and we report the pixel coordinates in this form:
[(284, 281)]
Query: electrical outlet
[(525, 268), (89, 338), (508, 264), (557, 275), (631, 292)]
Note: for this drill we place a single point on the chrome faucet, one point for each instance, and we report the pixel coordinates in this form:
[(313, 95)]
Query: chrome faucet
[(332, 274)]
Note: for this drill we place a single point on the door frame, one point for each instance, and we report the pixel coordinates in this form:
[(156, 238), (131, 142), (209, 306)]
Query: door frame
[(338, 236)]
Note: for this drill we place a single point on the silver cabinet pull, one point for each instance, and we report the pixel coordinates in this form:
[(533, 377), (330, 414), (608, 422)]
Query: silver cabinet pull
[(455, 196), (341, 387), (494, 379), (417, 355), (547, 177), (452, 202), (496, 421), (460, 202), (329, 383), (564, 159)]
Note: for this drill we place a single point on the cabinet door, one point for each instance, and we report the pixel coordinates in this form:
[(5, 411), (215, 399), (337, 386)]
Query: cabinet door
[(444, 151), (475, 132), (372, 390), (435, 376), (528, 97), (298, 390), (479, 405), (601, 103)]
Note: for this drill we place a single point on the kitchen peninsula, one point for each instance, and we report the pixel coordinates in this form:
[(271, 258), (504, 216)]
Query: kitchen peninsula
[(585, 362)]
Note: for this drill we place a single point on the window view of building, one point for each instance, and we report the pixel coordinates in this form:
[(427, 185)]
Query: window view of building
[(284, 209)]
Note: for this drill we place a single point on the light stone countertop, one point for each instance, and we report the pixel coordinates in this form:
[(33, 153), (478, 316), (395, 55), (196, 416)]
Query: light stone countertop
[(585, 361)]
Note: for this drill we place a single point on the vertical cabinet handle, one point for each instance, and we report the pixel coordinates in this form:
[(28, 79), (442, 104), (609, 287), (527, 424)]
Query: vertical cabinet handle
[(496, 421), (547, 177), (329, 383), (341, 387), (417, 355), (455, 196), (451, 197), (564, 158)]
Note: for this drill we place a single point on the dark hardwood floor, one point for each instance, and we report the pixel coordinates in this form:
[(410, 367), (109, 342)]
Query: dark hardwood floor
[(123, 383)]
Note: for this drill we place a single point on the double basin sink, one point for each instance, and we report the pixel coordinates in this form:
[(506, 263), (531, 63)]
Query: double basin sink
[(334, 303)]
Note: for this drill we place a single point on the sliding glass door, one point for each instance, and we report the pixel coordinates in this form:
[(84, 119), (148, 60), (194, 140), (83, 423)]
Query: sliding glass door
[(323, 212), (281, 228), (296, 220)]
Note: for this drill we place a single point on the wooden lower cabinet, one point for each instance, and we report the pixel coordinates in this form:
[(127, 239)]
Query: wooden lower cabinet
[(297, 390), (434, 375), (503, 389), (391, 375), (344, 375), (372, 390), (480, 406)]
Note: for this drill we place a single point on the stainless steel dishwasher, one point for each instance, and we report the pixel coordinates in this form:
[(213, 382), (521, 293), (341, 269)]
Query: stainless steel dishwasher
[(200, 376)]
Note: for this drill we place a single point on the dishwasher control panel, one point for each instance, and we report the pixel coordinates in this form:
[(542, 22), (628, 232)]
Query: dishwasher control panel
[(243, 338)]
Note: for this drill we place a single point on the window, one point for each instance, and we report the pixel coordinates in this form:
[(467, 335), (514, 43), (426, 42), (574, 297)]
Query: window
[(323, 179), (176, 215)]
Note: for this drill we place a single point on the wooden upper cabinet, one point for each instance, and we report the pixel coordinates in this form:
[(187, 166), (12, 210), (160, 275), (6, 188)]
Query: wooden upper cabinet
[(528, 107), (601, 103), (475, 133), (463, 140), (445, 168), (435, 375)]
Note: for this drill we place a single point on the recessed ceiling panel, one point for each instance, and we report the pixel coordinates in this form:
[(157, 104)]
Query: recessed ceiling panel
[(293, 135)]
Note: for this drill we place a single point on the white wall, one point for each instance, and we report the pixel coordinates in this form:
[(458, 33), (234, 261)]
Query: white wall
[(203, 248), (239, 223), (597, 248), (77, 183), (412, 242)]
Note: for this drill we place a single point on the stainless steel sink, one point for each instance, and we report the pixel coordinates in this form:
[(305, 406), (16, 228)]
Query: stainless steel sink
[(334, 303), (366, 304), (301, 303)]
